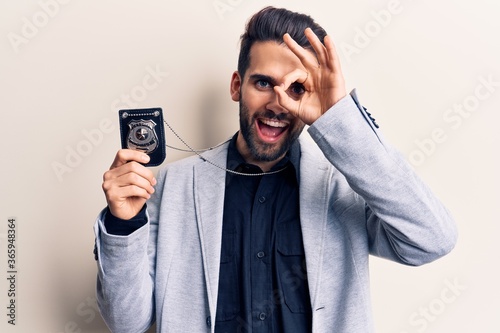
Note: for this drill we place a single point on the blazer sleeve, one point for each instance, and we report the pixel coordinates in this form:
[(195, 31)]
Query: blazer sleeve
[(405, 222), (126, 272)]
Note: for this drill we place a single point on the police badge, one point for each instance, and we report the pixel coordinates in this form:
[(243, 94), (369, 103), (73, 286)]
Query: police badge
[(142, 129)]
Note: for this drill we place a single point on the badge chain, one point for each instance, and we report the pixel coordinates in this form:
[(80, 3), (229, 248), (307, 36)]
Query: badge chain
[(198, 152)]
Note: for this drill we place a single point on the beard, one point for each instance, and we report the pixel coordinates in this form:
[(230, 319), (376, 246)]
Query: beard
[(262, 151)]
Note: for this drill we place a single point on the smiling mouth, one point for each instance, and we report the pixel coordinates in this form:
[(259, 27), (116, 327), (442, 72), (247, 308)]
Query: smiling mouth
[(270, 130)]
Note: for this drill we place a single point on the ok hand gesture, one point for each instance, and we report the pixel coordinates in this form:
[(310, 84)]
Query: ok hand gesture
[(322, 79)]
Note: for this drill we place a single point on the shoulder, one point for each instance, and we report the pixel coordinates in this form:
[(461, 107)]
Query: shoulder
[(316, 169), (309, 150)]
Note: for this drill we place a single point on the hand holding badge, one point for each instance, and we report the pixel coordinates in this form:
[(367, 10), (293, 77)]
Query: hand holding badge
[(142, 129)]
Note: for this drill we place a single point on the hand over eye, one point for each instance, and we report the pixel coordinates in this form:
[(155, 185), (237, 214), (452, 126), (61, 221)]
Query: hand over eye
[(308, 93)]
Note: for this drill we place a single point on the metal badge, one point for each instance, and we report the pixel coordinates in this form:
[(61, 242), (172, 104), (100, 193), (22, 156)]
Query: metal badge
[(142, 135), (142, 130)]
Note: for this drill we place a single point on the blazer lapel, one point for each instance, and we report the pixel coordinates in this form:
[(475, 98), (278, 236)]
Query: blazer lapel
[(209, 189), (314, 193)]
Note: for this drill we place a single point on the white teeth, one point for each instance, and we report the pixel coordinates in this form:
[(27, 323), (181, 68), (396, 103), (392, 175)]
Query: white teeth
[(273, 123)]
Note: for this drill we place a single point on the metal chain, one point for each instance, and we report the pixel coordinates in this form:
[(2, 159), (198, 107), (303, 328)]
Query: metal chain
[(198, 152)]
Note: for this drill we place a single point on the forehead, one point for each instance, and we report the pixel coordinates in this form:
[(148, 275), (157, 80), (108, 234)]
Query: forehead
[(273, 59)]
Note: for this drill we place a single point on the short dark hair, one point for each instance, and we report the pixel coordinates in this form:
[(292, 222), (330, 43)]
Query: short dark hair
[(270, 24)]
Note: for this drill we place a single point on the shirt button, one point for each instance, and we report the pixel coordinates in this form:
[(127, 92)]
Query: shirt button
[(262, 316), (209, 322), (260, 255), (262, 199)]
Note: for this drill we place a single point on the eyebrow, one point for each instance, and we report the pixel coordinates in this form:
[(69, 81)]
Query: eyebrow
[(259, 77)]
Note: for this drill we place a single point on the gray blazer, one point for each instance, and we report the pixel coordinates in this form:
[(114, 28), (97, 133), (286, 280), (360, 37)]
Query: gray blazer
[(358, 196)]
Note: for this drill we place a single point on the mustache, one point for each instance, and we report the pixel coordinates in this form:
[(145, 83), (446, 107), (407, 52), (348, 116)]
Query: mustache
[(268, 114)]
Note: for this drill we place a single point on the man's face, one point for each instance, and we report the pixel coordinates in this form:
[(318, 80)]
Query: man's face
[(267, 130)]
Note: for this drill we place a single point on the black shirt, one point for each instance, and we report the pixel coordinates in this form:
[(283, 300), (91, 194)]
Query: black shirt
[(262, 281)]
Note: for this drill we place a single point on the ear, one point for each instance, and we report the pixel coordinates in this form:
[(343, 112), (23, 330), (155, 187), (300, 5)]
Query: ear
[(235, 86)]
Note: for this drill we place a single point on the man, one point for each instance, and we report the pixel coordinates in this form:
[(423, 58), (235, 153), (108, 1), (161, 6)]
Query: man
[(280, 242)]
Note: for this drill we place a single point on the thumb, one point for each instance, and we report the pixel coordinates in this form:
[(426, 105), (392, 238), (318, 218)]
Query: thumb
[(124, 156), (286, 101)]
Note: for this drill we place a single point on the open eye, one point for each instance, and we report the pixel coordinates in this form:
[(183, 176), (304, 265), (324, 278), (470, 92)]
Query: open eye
[(262, 84), (297, 89)]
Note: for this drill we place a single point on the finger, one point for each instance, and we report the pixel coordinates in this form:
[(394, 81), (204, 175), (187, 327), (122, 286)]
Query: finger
[(319, 48), (286, 101), (133, 178), (118, 190), (305, 57), (297, 75), (132, 167), (334, 61), (130, 191), (124, 156)]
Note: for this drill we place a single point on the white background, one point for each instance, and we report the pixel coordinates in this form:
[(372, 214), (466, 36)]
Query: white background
[(65, 68)]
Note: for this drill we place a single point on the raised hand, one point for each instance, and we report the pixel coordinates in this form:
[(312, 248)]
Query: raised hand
[(322, 79)]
